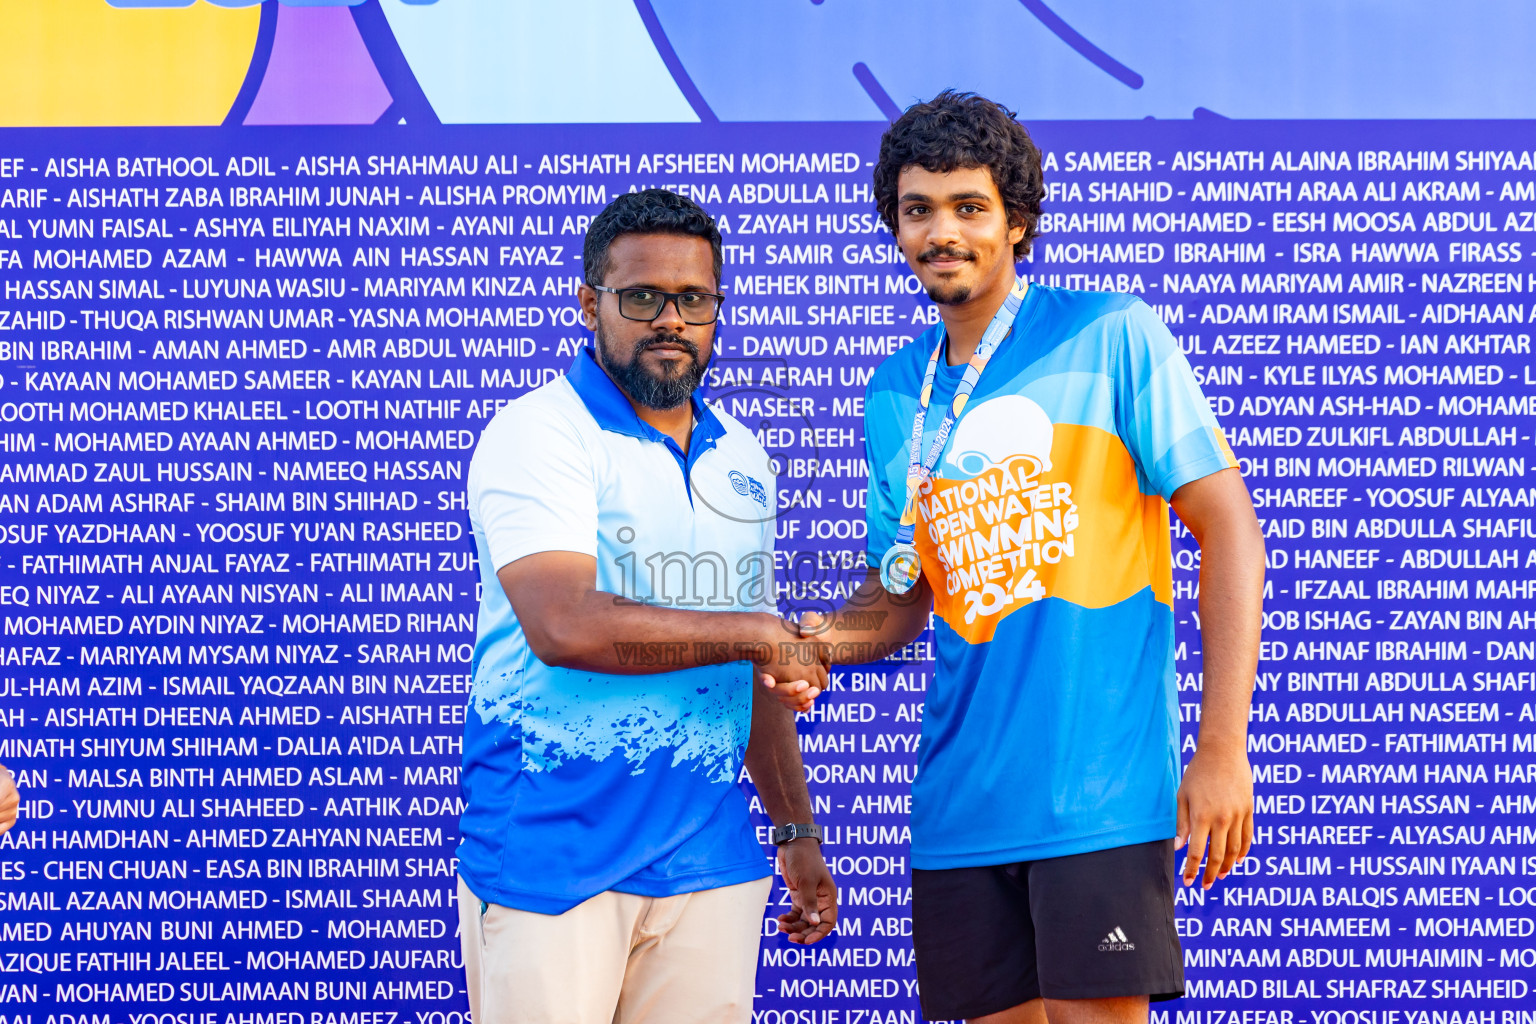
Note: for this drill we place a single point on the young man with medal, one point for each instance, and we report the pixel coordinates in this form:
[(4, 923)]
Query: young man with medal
[(609, 872), (1022, 456)]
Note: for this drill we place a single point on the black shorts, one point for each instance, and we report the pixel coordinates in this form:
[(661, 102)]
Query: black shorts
[(1088, 926)]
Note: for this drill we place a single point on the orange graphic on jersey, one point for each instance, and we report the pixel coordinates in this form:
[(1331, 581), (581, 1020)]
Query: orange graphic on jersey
[(1072, 525)]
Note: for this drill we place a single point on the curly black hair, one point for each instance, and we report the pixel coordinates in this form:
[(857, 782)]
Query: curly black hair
[(962, 129), (652, 211)]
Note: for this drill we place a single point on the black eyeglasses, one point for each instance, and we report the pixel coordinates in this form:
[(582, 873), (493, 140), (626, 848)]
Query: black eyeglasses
[(646, 304)]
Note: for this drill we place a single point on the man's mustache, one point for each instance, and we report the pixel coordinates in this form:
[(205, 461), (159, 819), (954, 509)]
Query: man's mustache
[(668, 339), (944, 253)]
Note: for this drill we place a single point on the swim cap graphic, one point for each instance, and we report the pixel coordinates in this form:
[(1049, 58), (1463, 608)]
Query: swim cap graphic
[(999, 430)]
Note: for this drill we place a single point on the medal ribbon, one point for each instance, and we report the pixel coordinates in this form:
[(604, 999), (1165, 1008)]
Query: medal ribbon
[(919, 469)]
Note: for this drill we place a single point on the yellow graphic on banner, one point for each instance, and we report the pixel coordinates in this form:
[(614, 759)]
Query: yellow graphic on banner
[(79, 63)]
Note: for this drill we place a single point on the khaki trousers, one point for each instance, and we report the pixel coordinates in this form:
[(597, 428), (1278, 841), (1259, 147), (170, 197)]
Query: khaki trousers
[(616, 959)]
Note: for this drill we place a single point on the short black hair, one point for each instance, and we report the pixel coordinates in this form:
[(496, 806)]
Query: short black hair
[(652, 211), (962, 129)]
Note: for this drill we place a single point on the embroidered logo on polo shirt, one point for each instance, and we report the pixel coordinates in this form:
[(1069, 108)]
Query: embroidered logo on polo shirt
[(745, 485)]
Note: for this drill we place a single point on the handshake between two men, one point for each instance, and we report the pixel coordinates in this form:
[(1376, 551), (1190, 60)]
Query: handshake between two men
[(1051, 763), (873, 624), (800, 671), (1050, 799)]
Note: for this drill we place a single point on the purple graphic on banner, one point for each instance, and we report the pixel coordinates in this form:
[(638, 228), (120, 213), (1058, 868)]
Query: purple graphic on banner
[(320, 72)]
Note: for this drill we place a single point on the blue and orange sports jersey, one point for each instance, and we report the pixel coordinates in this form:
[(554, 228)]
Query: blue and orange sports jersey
[(1051, 725)]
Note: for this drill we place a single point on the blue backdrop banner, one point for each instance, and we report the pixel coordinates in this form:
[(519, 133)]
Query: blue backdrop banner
[(244, 361)]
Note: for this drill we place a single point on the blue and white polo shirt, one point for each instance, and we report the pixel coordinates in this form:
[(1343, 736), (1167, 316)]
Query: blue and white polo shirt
[(580, 782)]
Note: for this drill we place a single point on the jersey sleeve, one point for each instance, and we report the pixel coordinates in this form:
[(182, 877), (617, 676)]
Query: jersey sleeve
[(1166, 422), (531, 486), (882, 508)]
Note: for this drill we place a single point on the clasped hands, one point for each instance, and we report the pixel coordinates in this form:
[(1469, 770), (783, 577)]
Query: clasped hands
[(797, 664)]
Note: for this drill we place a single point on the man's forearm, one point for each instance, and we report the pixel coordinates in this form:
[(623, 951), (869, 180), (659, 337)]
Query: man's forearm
[(773, 761), (606, 633), (1215, 798), (568, 622), (1231, 614)]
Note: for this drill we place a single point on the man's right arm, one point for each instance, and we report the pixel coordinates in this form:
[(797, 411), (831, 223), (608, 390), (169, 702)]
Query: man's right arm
[(872, 624), (532, 492), (570, 623)]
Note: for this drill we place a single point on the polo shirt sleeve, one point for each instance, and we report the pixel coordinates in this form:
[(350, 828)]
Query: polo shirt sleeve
[(1165, 420), (532, 487)]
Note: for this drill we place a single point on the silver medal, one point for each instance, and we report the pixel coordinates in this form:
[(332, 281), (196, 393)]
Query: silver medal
[(900, 568)]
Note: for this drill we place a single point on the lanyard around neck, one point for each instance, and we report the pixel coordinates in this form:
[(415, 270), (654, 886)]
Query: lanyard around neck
[(920, 469)]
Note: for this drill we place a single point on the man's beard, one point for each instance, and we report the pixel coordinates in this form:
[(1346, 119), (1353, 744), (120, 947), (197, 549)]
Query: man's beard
[(947, 294), (662, 389)]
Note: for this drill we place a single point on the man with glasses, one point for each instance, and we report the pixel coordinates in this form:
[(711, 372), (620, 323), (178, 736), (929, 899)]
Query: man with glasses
[(609, 870)]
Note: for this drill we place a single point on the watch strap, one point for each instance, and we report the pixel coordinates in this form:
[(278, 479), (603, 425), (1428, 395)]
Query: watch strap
[(782, 834)]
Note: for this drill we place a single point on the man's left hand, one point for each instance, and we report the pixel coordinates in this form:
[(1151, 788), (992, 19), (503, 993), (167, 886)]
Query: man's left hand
[(812, 892), (1215, 804)]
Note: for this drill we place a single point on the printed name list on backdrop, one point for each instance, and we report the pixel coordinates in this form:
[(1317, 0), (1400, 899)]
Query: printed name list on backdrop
[(242, 377)]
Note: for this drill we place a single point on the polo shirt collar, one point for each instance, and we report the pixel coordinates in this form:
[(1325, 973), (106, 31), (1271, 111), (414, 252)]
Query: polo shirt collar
[(611, 409)]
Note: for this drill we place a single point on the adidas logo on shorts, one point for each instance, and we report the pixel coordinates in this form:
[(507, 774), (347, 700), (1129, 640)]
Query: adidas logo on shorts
[(1116, 942)]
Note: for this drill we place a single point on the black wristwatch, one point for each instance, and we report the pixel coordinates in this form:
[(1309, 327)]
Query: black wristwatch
[(782, 834)]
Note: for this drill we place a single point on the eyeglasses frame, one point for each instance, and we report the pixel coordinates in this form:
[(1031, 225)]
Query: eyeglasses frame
[(666, 297)]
